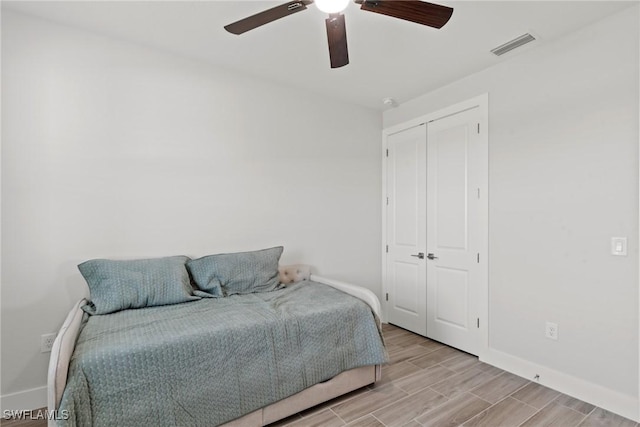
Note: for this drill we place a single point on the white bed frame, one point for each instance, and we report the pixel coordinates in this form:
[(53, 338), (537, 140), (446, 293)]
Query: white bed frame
[(342, 383)]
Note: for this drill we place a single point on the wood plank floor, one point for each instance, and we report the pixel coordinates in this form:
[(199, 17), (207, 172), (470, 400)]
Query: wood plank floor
[(430, 384)]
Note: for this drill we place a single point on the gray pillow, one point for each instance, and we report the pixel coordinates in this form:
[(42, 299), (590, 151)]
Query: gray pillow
[(239, 273), (119, 285)]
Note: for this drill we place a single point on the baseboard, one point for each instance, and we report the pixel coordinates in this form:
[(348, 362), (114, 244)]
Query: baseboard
[(34, 398), (611, 400)]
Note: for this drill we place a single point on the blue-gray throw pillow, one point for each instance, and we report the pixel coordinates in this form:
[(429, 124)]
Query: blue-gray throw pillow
[(119, 285), (238, 273)]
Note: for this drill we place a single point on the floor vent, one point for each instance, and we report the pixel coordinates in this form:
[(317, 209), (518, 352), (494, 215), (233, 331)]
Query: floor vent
[(515, 43)]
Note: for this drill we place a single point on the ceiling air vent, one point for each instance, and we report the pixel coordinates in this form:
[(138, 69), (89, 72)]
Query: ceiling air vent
[(515, 43)]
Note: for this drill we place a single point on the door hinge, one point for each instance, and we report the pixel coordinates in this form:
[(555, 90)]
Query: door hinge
[(478, 193), (387, 152), (478, 322), (387, 249), (478, 128), (387, 201), (386, 297), (478, 257)]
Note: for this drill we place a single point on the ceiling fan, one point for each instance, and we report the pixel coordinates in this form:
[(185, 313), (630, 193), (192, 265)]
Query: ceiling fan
[(432, 15)]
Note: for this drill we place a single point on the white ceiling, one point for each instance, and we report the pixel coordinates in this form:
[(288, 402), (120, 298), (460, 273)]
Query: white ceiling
[(389, 57)]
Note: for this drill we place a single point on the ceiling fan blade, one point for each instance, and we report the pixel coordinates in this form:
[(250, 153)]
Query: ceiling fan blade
[(337, 38), (433, 15), (267, 16)]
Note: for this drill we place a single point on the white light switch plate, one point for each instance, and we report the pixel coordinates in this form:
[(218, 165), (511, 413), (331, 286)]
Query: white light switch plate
[(619, 246)]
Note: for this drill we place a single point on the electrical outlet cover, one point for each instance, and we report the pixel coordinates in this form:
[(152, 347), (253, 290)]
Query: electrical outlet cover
[(619, 246), (551, 330), (46, 342)]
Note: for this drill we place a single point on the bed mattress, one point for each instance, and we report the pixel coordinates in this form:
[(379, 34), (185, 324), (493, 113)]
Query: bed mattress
[(207, 362)]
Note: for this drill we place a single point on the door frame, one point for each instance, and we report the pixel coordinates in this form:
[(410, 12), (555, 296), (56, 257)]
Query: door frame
[(481, 102)]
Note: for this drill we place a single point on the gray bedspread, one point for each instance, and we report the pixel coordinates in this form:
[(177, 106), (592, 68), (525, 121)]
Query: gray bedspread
[(206, 362)]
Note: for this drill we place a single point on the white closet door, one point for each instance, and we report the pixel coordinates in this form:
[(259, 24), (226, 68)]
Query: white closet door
[(456, 161), (406, 229)]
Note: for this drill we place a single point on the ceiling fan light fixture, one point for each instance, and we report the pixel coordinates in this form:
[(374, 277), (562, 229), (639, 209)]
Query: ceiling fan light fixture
[(332, 6)]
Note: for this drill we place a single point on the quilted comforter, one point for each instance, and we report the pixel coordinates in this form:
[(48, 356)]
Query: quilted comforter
[(210, 361)]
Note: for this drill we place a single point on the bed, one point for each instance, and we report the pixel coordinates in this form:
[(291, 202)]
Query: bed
[(291, 349)]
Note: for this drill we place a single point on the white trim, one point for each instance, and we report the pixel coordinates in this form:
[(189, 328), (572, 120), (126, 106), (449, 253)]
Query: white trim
[(482, 102), (478, 101), (34, 398), (383, 248), (483, 304), (611, 400)]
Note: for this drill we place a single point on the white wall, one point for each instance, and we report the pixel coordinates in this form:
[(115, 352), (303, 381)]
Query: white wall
[(111, 149), (563, 179)]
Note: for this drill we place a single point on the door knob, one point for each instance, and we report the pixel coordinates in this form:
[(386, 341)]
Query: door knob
[(420, 255), (432, 256)]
